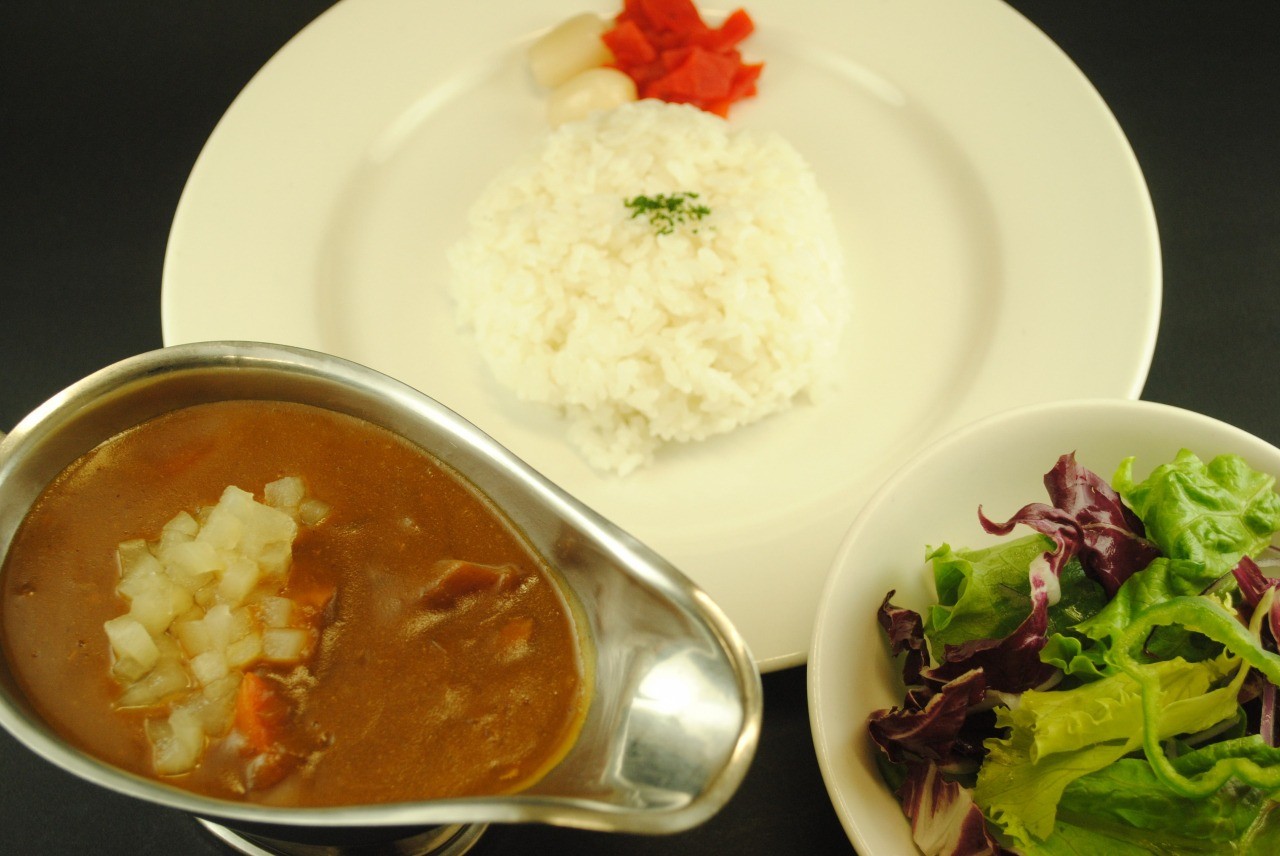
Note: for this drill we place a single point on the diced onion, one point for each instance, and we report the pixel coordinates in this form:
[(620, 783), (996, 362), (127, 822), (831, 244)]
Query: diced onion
[(188, 637), (223, 529), (236, 500), (243, 653), (209, 667), (181, 524), (207, 596), (194, 636), (266, 527), (136, 652), (217, 622), (313, 511), (240, 577), (216, 706), (157, 605), (166, 679), (176, 742), (275, 611), (274, 559), (284, 494), (168, 647), (191, 564), (284, 644), (136, 560)]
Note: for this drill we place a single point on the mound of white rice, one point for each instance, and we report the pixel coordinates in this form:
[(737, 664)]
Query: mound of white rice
[(640, 338)]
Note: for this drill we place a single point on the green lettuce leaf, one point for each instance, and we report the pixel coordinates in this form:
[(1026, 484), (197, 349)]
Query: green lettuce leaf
[(1081, 598), (1041, 793), (1079, 659), (1162, 580), (1251, 747), (1126, 808), (1057, 736), (1206, 616), (1069, 839), (1210, 513), (1081, 652), (986, 594), (982, 594)]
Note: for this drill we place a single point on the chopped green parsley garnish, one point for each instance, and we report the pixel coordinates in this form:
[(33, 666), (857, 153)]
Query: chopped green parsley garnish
[(666, 211)]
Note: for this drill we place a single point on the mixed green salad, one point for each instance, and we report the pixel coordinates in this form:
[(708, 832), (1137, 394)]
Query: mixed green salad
[(1106, 684)]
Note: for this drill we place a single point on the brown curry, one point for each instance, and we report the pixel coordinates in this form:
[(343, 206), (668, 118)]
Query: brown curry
[(445, 661)]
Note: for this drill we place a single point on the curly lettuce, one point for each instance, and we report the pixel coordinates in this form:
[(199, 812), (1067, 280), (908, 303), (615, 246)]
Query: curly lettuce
[(1208, 617), (1211, 513), (1125, 808), (1058, 736), (1163, 580)]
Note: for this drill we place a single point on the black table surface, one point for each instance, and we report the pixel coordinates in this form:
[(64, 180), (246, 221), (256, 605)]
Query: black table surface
[(105, 106)]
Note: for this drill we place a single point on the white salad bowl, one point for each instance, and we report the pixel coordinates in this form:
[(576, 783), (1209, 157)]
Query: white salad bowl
[(998, 462)]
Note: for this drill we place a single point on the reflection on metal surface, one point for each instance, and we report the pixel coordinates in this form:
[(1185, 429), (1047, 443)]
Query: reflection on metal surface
[(436, 841), (675, 713)]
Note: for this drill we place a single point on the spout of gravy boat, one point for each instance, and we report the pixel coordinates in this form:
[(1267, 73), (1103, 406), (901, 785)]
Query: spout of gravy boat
[(675, 705)]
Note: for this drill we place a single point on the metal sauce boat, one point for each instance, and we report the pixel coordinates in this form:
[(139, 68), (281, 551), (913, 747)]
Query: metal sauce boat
[(675, 713)]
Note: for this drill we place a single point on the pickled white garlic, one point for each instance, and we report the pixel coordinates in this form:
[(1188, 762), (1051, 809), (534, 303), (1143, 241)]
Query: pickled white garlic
[(591, 90), (571, 47)]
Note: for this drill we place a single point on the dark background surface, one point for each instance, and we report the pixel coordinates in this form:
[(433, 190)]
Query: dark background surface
[(105, 106)]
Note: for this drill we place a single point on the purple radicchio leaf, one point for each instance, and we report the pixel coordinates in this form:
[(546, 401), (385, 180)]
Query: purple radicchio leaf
[(1047, 520), (1011, 664), (1253, 585), (1086, 519), (945, 821), (905, 630), (926, 727)]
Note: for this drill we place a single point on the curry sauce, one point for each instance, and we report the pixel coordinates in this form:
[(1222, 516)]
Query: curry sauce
[(446, 663)]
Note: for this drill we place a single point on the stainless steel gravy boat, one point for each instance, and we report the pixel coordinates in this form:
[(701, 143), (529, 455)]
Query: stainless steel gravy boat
[(675, 715)]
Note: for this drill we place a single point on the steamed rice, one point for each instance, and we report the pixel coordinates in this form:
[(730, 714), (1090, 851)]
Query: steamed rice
[(640, 338)]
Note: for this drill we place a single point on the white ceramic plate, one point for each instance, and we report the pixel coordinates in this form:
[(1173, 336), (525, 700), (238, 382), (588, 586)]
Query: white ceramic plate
[(999, 462), (991, 210)]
